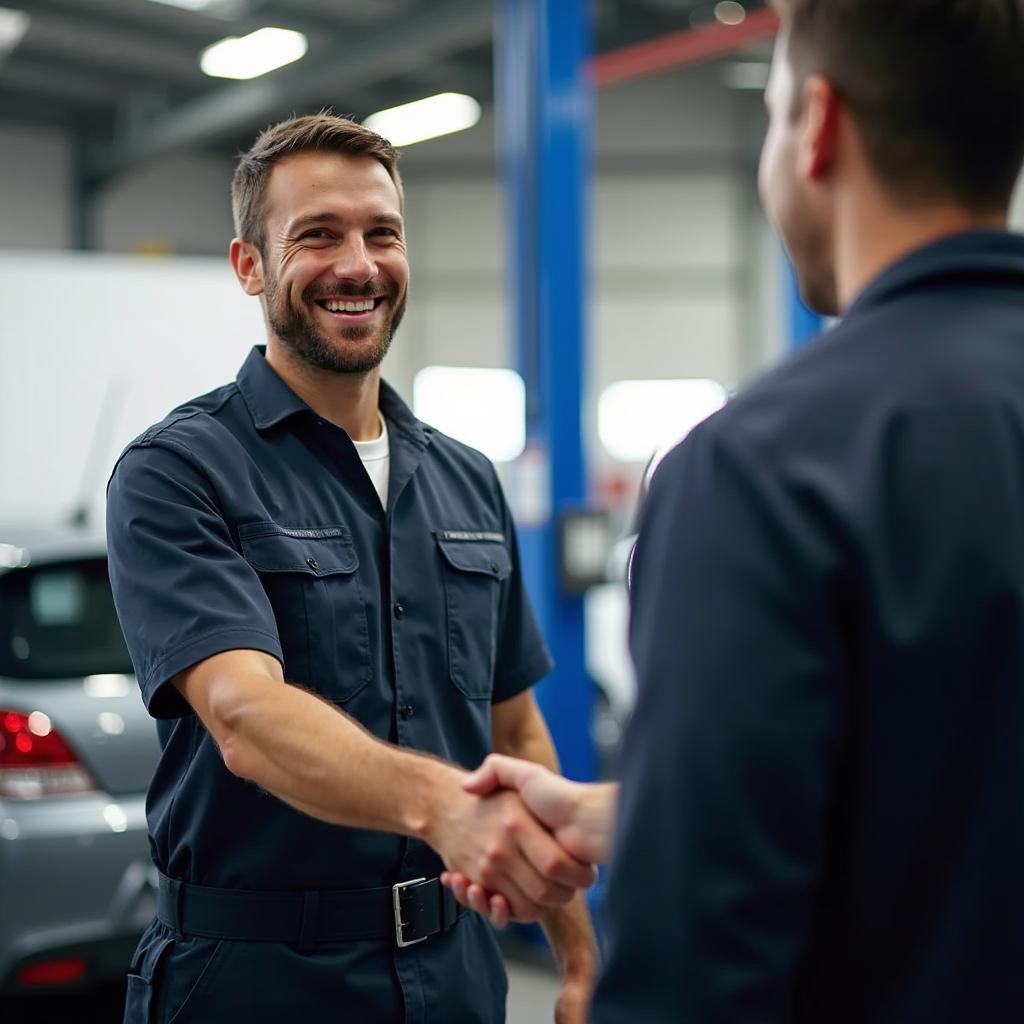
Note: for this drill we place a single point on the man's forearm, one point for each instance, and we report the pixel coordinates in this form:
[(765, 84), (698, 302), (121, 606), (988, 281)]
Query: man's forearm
[(312, 756), (570, 934)]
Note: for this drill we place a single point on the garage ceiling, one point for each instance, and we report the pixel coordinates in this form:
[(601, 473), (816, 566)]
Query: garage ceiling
[(124, 77)]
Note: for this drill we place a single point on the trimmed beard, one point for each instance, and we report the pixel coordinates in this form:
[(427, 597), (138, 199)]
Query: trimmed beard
[(304, 337)]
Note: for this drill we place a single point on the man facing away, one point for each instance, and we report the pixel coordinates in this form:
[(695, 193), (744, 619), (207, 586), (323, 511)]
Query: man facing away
[(821, 816), (323, 603)]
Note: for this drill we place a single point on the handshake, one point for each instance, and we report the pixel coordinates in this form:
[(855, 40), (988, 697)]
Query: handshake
[(538, 837)]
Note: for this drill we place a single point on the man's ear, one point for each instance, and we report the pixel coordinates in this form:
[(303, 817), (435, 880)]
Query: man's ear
[(247, 263), (819, 135)]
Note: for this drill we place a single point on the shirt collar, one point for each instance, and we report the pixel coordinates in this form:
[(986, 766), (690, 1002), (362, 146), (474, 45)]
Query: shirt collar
[(270, 401), (400, 415), (982, 255)]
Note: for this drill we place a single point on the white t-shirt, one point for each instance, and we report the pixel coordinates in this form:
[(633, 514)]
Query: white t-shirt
[(376, 459)]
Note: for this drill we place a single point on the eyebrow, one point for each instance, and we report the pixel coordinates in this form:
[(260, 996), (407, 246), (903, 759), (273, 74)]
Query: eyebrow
[(311, 219)]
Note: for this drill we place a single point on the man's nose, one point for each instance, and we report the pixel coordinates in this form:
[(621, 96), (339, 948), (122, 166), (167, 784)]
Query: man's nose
[(353, 263)]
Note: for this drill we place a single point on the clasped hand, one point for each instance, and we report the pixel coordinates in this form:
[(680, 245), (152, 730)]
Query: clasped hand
[(494, 839), (536, 838)]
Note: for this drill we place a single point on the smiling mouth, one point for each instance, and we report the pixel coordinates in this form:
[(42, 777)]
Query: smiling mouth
[(350, 306)]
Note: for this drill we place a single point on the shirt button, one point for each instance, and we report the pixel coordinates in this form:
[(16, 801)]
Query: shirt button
[(399, 610), (313, 564), (494, 568), (406, 711)]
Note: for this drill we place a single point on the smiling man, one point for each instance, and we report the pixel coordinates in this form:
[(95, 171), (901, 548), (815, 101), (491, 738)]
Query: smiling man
[(324, 607)]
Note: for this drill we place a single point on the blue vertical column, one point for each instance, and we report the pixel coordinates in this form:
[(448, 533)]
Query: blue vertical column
[(802, 324), (544, 104)]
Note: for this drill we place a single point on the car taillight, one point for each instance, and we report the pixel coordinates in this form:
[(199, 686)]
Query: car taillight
[(35, 760), (53, 972)]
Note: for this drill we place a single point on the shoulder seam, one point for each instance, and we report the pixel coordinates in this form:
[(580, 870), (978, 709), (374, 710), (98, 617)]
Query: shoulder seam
[(154, 434), (150, 435)]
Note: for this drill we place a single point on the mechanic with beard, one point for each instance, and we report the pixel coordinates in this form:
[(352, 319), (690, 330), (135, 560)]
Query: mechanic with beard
[(323, 604)]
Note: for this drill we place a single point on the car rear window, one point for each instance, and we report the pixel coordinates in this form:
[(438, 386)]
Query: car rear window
[(58, 621)]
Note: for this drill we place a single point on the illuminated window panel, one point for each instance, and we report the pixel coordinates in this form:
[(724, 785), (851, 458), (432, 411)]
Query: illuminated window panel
[(640, 419), (485, 409)]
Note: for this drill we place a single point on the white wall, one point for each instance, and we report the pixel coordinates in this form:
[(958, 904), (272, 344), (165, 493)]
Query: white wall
[(103, 336)]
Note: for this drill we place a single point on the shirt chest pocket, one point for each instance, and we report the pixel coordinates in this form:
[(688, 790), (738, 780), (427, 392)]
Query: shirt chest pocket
[(474, 566), (311, 579)]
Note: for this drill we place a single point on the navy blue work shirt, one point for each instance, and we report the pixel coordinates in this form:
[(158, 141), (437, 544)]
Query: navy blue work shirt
[(822, 815), (244, 520)]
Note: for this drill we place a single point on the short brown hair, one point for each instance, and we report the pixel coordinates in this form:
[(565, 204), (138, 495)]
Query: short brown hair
[(313, 133), (935, 87)]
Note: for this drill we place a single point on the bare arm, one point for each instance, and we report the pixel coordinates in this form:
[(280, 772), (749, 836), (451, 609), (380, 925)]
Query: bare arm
[(292, 743), (312, 756), (519, 730)]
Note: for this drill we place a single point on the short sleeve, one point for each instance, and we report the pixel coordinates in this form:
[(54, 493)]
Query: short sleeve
[(522, 656), (182, 589)]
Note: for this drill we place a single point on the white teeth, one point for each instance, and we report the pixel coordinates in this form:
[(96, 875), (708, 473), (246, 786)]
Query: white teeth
[(337, 306)]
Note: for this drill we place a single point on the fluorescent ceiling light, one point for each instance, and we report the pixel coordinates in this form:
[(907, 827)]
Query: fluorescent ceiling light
[(253, 55), (425, 119), (13, 25), (226, 10), (188, 5), (730, 12), (485, 409), (641, 419)]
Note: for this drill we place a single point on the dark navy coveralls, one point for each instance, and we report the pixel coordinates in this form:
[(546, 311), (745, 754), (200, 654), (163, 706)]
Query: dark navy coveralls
[(822, 815), (243, 520)]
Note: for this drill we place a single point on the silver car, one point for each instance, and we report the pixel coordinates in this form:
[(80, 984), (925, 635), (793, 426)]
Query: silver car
[(77, 750)]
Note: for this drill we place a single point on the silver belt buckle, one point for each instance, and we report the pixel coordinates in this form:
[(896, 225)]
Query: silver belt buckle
[(396, 895)]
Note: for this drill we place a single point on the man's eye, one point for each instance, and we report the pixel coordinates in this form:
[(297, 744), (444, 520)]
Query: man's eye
[(316, 233), (386, 232)]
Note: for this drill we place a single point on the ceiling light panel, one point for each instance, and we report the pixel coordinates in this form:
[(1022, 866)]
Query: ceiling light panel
[(429, 118), (13, 26), (260, 52), (730, 12), (186, 5)]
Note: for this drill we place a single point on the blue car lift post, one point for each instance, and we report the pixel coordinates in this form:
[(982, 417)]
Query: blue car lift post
[(544, 105)]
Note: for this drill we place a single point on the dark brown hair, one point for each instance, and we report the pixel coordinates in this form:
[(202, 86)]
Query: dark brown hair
[(314, 133), (935, 88)]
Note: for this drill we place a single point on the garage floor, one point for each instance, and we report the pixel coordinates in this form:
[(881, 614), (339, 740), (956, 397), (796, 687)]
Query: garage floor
[(531, 994)]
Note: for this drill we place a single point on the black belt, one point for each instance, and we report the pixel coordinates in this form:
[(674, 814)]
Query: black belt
[(407, 913)]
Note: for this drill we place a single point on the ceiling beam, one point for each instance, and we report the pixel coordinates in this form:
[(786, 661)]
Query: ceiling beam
[(443, 75), (33, 110), (51, 80), (187, 28), (62, 36), (176, 26), (365, 58)]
